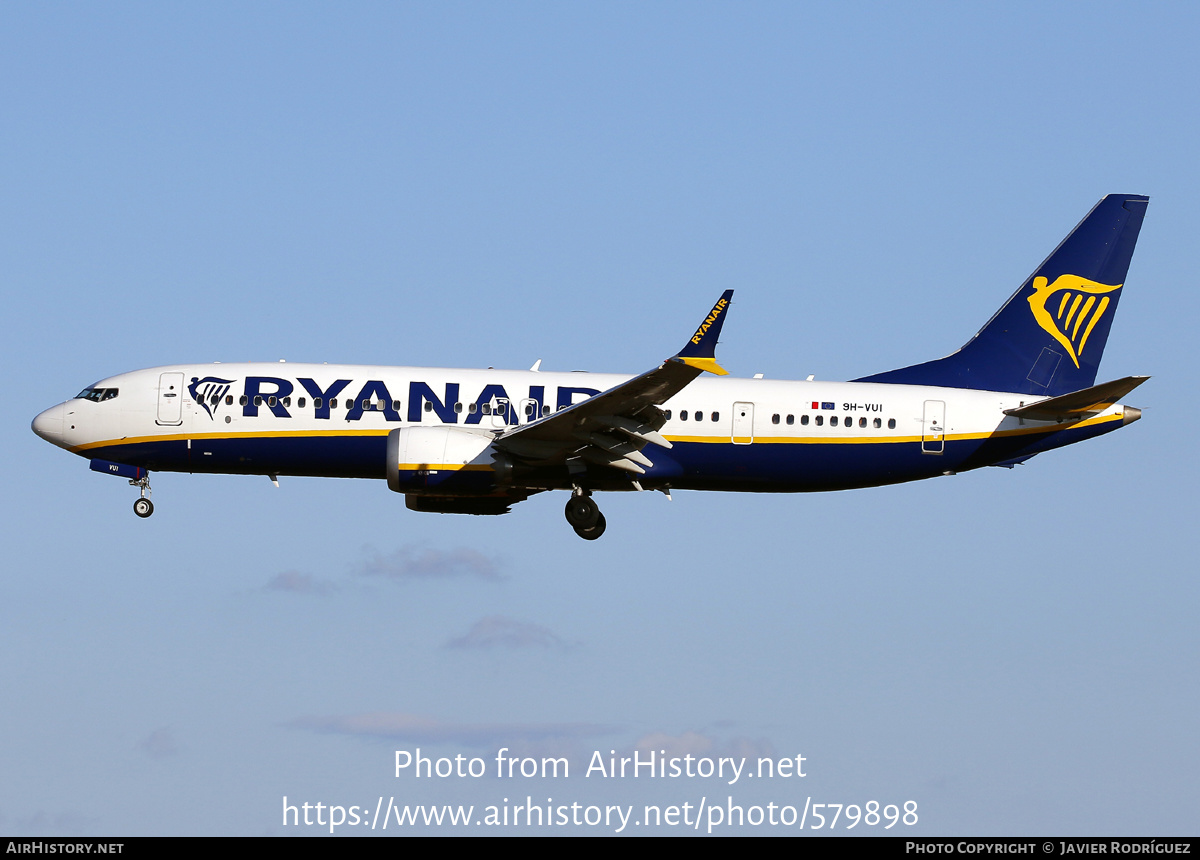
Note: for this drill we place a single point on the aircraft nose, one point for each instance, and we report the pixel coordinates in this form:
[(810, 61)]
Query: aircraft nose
[(49, 424)]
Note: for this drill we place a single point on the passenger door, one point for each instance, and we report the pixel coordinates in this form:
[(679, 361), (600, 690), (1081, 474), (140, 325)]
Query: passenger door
[(170, 399)]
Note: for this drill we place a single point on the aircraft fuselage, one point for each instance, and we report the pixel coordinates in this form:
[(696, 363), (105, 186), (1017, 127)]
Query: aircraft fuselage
[(727, 434)]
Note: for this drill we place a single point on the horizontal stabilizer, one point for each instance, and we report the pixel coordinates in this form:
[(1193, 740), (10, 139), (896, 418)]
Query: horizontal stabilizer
[(1078, 404)]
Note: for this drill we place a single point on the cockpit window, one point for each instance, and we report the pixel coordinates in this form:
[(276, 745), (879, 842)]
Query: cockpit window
[(96, 395)]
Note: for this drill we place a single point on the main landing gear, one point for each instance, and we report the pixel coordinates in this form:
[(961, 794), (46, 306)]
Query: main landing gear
[(143, 507), (584, 515)]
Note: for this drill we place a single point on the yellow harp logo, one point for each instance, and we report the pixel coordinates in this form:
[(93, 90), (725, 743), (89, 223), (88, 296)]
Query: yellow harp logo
[(1070, 324)]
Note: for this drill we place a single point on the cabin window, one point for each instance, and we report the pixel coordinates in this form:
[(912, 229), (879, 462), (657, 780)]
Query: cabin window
[(486, 409), (668, 414), (775, 418), (820, 420), (300, 402), (791, 419), (271, 401), (333, 403), (546, 409), (396, 405), (472, 408), (428, 406), (683, 415), (716, 416), (862, 422), (833, 421), (317, 401), (242, 400), (699, 415), (529, 409), (891, 423), (228, 399), (803, 420), (287, 401), (258, 400), (458, 407), (878, 423)]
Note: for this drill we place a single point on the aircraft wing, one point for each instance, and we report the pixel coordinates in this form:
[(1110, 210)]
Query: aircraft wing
[(1078, 404), (612, 428)]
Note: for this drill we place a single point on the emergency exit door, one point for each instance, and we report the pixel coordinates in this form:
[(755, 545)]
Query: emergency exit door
[(933, 433), (743, 424)]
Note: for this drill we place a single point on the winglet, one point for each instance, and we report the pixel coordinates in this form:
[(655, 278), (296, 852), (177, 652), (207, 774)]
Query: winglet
[(700, 350)]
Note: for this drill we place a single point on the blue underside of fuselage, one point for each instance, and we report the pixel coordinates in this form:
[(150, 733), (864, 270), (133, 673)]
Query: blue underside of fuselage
[(757, 467)]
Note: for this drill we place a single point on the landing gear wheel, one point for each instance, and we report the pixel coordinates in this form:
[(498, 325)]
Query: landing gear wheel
[(583, 513), (143, 508), (595, 531)]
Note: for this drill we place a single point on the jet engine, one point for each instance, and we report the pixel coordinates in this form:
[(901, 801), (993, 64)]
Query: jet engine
[(442, 461)]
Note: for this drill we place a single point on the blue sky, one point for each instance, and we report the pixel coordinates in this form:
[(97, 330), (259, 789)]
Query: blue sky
[(473, 185)]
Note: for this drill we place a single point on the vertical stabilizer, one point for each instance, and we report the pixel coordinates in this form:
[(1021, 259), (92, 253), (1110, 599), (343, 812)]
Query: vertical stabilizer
[(1048, 338)]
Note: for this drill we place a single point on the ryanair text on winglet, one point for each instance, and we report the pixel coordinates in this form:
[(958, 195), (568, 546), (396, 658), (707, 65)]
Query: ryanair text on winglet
[(709, 320)]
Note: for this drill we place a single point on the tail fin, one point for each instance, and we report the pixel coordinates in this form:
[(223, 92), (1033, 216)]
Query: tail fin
[(1048, 338)]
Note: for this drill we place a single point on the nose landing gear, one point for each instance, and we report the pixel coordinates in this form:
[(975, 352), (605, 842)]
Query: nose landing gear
[(143, 507), (584, 515)]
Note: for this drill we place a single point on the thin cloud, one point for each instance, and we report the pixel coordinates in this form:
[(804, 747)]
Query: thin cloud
[(411, 728), (160, 743), (410, 563), (42, 823), (295, 582), (500, 631), (700, 744)]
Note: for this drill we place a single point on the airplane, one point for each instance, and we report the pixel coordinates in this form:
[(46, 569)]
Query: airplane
[(480, 441)]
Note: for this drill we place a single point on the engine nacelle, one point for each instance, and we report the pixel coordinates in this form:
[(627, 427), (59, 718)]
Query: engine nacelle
[(441, 461)]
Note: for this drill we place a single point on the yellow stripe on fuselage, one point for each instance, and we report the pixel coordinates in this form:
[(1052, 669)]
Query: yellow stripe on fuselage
[(444, 467), (892, 440), (258, 434)]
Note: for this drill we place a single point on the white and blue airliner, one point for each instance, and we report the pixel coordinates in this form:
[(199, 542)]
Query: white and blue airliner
[(479, 441)]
